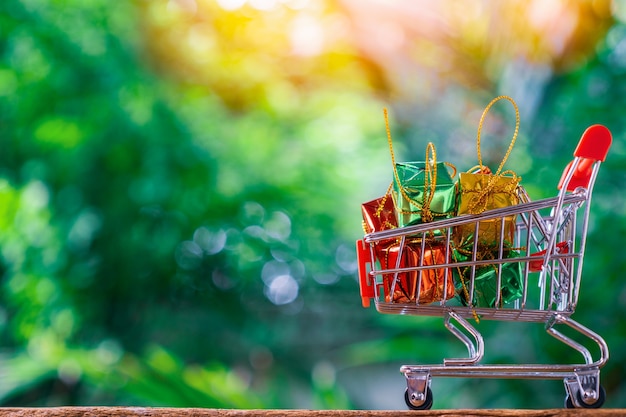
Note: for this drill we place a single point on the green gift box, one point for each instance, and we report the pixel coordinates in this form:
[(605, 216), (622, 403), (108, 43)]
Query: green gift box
[(486, 278), (423, 191)]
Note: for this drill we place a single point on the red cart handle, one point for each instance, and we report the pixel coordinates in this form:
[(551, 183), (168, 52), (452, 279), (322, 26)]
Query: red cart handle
[(595, 143), (365, 282), (593, 147)]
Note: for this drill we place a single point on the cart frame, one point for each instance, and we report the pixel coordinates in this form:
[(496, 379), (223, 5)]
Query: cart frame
[(551, 235)]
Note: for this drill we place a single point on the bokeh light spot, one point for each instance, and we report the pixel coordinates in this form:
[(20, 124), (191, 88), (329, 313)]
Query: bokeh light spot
[(231, 4), (86, 225), (35, 195), (70, 371), (263, 4), (307, 36), (221, 280), (109, 352), (59, 131), (278, 226), (188, 255), (323, 374), (346, 258), (282, 290), (8, 82), (210, 242), (326, 278), (252, 213), (273, 269)]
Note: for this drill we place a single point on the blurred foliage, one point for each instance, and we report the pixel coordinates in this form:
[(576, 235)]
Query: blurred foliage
[(180, 186)]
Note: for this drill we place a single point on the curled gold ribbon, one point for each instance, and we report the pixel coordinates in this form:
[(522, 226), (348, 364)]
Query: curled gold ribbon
[(478, 203), (381, 206), (430, 183), (430, 178)]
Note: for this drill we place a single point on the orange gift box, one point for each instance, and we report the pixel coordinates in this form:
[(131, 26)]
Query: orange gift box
[(434, 281)]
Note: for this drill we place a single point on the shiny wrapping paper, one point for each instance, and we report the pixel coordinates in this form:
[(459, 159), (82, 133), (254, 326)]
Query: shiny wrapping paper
[(486, 278), (413, 184), (433, 281), (379, 215), (476, 197)]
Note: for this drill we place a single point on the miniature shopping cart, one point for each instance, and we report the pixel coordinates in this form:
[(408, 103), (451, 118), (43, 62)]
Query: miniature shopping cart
[(547, 257)]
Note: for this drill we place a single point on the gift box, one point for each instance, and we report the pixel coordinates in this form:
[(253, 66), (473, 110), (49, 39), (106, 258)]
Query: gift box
[(379, 214), (481, 190), (423, 192), (436, 283), (486, 277)]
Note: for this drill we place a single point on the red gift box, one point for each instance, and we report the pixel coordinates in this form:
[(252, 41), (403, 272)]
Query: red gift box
[(433, 280), (379, 215)]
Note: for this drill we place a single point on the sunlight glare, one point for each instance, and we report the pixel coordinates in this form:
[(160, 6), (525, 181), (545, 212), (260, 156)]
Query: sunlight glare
[(618, 9), (230, 5), (307, 36), (296, 4), (553, 17), (199, 41), (263, 4), (186, 5)]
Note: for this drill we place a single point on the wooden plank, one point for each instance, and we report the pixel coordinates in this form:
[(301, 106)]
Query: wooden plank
[(206, 412)]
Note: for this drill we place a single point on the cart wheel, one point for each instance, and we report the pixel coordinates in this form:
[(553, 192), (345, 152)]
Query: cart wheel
[(599, 402), (426, 405)]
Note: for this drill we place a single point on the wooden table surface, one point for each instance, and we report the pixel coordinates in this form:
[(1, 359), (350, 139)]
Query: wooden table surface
[(204, 412)]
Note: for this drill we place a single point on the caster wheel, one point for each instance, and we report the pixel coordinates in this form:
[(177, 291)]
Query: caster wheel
[(426, 405), (599, 402)]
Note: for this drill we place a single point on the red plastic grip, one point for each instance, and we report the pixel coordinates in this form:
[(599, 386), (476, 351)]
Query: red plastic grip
[(593, 146), (595, 143), (365, 283)]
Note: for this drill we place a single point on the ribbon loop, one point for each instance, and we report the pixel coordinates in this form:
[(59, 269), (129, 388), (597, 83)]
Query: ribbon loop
[(479, 200), (430, 180), (480, 127)]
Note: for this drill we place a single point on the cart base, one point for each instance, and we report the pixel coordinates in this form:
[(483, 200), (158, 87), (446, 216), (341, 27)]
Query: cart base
[(582, 386), (582, 381)]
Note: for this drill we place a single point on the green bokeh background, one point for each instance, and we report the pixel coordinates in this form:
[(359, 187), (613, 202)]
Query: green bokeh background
[(180, 190)]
